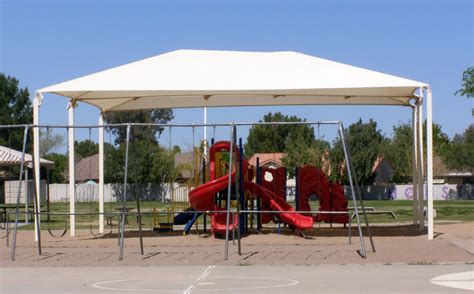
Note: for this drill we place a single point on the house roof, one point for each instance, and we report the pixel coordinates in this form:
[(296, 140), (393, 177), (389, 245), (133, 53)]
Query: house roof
[(87, 168), (441, 170), (265, 158), (183, 159)]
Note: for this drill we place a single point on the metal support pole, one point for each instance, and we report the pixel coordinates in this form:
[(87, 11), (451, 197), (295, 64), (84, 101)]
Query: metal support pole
[(204, 177), (429, 162), (27, 194), (349, 174), (369, 232), (414, 161), (259, 203), (101, 174), (17, 208), (48, 200), (240, 191), (139, 214), (170, 184), (124, 200), (239, 199), (36, 154), (229, 185), (72, 181), (205, 131), (367, 226), (421, 178), (37, 207), (140, 231)]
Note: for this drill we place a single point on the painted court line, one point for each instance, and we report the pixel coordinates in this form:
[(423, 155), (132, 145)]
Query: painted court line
[(101, 286), (198, 280), (276, 283), (463, 280), (198, 284)]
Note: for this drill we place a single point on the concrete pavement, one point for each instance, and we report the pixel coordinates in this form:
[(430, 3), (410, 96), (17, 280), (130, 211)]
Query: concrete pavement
[(373, 278)]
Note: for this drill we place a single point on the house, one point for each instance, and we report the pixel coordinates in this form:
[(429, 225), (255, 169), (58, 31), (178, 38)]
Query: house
[(444, 175), (382, 171), (185, 161), (270, 160), (87, 169)]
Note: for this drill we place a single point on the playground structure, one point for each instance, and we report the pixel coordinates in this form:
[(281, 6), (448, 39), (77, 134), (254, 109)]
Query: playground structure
[(252, 189), (197, 78)]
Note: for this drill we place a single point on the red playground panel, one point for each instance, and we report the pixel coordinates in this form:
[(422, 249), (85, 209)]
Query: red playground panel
[(312, 181)]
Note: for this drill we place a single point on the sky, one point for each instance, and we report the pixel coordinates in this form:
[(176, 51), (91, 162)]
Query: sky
[(47, 42)]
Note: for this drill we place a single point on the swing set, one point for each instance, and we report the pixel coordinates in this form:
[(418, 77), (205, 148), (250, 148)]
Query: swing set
[(223, 187)]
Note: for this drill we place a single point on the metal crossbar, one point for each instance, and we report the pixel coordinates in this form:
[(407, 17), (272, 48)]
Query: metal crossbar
[(188, 212), (172, 125)]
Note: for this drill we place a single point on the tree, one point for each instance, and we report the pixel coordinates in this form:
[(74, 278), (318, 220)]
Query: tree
[(467, 83), (399, 149), (399, 152), (113, 164), (440, 139), (15, 108), (58, 171), (459, 154), (147, 163), (49, 141), (164, 169), (144, 150), (365, 145), (85, 148), (298, 154), (149, 133), (275, 138)]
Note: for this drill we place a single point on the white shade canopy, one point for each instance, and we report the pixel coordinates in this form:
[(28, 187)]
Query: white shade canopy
[(206, 78), (203, 78)]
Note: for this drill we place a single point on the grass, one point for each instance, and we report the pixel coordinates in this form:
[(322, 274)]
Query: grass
[(58, 222), (455, 210)]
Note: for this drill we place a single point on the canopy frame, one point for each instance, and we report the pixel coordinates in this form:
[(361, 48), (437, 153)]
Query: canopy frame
[(373, 89)]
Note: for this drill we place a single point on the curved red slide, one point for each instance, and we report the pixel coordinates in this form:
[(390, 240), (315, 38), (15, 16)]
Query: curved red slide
[(202, 197), (277, 203)]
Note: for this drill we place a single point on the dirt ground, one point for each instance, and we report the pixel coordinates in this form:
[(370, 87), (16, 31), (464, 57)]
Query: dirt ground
[(454, 243)]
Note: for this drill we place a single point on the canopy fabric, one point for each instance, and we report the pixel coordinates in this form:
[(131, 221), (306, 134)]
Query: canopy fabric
[(9, 157), (206, 78)]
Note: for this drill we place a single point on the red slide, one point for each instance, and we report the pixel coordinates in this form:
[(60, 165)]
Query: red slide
[(277, 203), (202, 197)]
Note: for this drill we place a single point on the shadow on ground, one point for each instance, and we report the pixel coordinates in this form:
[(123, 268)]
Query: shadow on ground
[(377, 231)]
